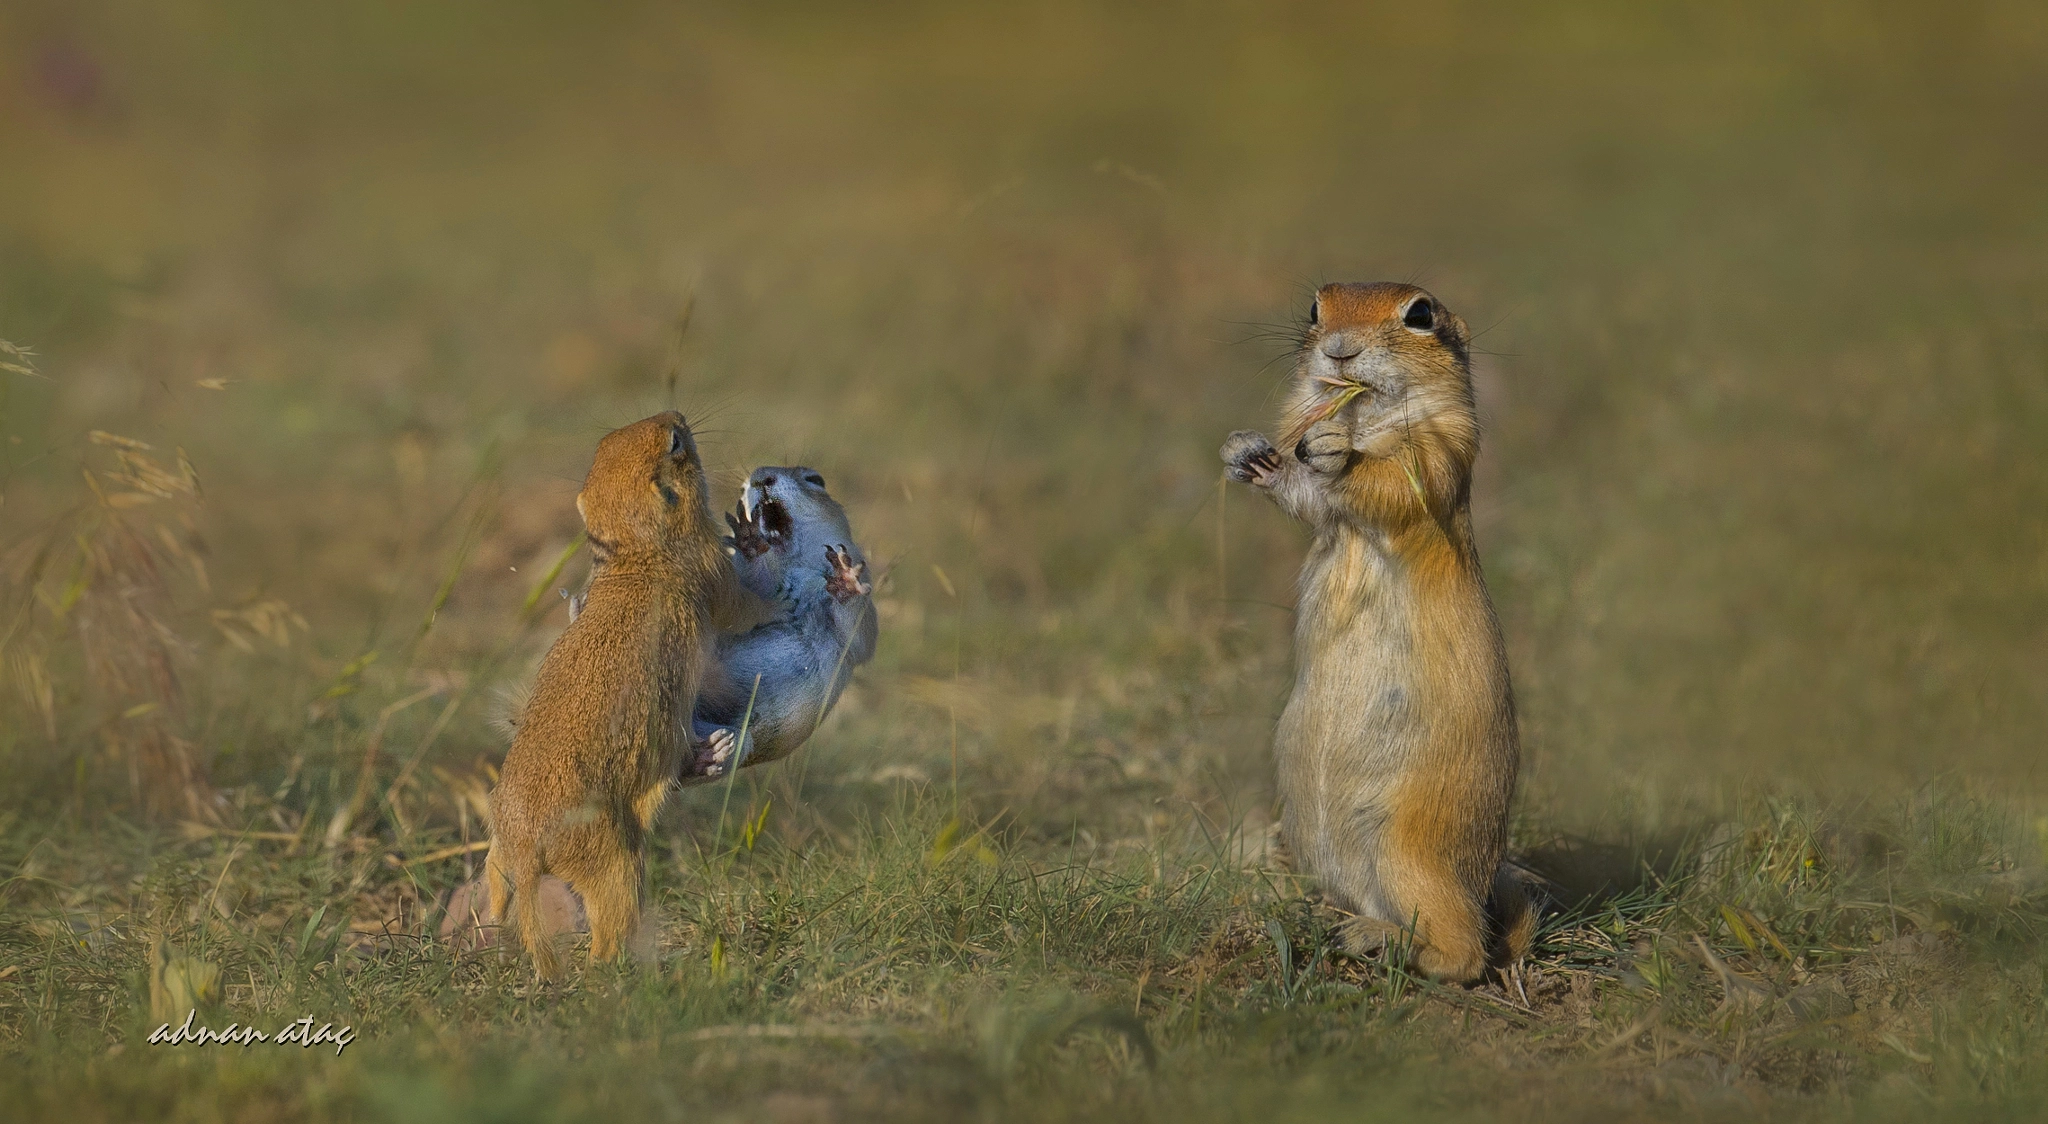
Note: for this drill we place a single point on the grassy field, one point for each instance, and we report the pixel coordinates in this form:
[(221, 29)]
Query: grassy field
[(325, 313)]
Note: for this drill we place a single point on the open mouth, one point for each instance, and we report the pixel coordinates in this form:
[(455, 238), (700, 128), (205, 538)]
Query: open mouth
[(774, 521)]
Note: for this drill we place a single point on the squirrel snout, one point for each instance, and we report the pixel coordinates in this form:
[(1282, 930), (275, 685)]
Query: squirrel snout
[(1339, 346)]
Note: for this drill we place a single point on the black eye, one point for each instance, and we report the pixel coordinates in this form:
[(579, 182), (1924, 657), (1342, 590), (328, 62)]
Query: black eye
[(814, 480), (1313, 307), (1421, 316), (676, 437)]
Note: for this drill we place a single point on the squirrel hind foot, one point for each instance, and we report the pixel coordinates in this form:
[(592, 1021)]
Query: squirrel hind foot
[(1368, 938), (713, 755)]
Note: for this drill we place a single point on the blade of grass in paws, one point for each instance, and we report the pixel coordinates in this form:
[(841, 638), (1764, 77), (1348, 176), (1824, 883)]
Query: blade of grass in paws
[(1346, 392)]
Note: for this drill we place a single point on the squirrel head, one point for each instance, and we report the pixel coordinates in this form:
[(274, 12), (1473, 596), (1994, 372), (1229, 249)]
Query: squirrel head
[(1379, 349), (787, 500), (646, 489)]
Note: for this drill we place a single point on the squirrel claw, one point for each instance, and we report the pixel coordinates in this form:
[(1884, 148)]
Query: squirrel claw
[(1249, 458)]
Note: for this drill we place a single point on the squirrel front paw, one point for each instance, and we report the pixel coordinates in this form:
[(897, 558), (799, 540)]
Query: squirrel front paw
[(1325, 448), (747, 539), (845, 581), (1250, 459)]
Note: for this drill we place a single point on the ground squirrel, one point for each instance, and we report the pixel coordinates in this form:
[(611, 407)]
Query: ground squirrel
[(793, 546), (606, 727), (1397, 751)]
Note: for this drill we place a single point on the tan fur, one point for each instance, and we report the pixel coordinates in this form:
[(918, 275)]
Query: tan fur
[(1397, 751), (607, 722)]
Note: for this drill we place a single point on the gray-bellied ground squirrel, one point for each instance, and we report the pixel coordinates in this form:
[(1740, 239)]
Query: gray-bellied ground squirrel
[(1397, 750), (792, 545), (607, 724)]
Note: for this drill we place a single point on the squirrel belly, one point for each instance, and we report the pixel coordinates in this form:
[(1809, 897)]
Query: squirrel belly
[(781, 679)]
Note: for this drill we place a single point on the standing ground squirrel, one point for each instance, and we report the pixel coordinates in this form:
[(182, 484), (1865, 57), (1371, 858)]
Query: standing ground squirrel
[(606, 727), (1397, 750), (792, 545)]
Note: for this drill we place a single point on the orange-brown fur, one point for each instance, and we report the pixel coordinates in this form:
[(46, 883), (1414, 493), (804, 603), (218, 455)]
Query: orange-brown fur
[(1397, 751), (608, 720)]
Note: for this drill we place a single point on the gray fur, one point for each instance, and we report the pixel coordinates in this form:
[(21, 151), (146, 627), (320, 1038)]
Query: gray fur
[(787, 531)]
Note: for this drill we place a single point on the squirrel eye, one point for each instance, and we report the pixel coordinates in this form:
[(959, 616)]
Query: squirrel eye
[(814, 480), (1314, 306), (675, 440), (1420, 316)]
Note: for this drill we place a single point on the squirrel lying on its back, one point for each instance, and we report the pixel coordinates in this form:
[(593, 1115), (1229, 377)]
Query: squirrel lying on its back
[(792, 545)]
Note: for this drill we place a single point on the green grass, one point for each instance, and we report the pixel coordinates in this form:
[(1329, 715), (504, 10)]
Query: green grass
[(904, 970), (1761, 358)]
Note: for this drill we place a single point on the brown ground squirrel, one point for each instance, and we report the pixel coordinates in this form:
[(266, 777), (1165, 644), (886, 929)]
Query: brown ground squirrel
[(1397, 750), (606, 727)]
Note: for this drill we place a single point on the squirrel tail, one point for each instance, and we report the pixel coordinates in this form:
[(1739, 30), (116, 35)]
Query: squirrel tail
[(522, 886), (1514, 915)]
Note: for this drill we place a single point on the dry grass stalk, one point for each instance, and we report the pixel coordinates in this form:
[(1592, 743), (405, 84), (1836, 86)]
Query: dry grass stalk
[(106, 576), (19, 360)]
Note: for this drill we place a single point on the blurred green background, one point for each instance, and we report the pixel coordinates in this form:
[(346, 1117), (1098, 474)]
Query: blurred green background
[(1758, 289)]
